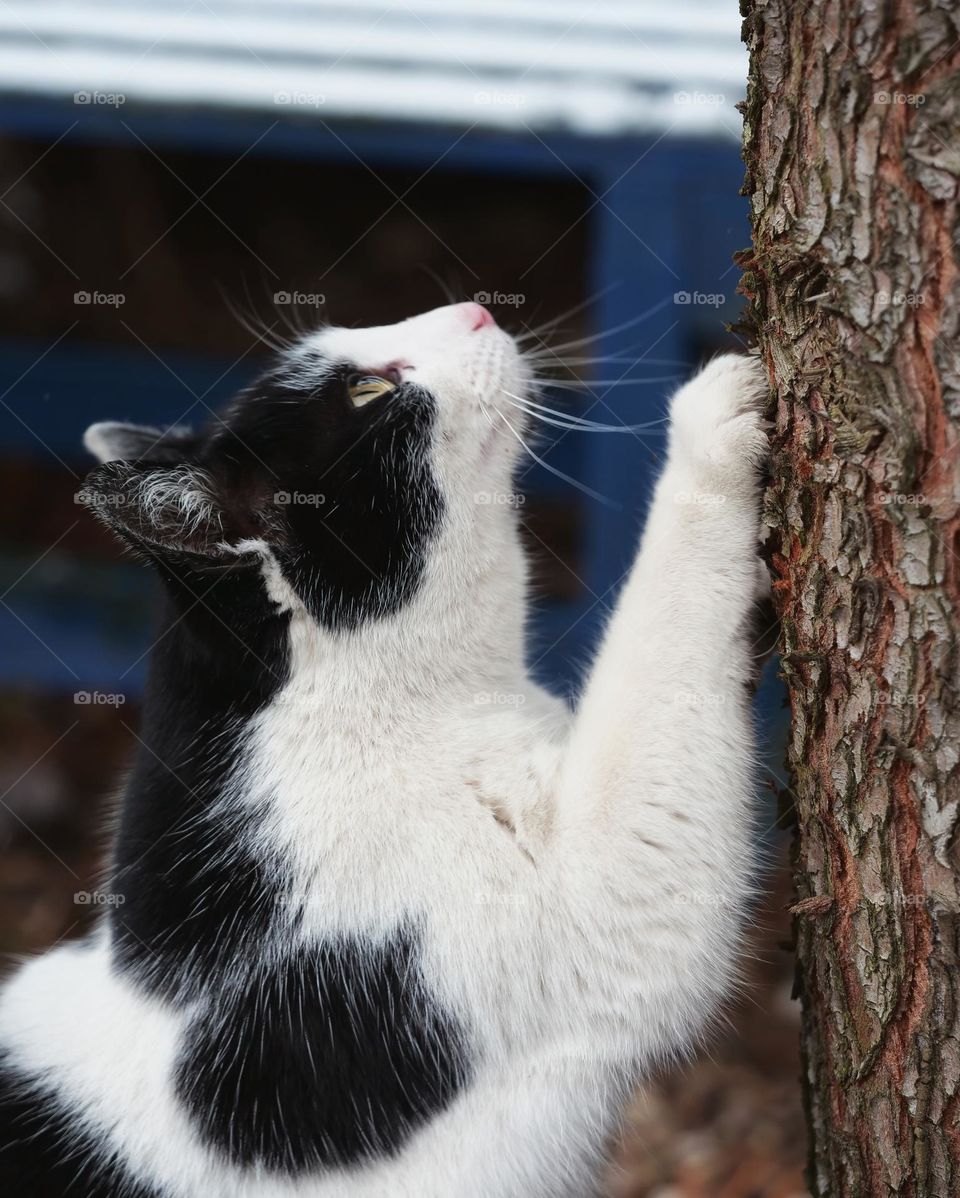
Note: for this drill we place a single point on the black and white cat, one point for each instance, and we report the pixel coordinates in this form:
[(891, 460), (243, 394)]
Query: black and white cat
[(397, 924)]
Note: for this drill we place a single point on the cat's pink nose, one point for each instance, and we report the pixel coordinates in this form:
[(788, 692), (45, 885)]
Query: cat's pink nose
[(477, 315)]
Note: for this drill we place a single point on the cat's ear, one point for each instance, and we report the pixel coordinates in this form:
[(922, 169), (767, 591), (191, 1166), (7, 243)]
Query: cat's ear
[(114, 440), (160, 510)]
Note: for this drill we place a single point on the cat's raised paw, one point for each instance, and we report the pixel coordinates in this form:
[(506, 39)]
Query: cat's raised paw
[(716, 420)]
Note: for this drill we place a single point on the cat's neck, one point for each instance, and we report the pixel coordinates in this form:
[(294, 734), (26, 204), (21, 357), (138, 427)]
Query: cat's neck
[(462, 630), (460, 633)]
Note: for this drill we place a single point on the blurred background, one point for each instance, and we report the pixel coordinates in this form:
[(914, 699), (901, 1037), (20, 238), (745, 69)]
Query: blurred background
[(183, 181)]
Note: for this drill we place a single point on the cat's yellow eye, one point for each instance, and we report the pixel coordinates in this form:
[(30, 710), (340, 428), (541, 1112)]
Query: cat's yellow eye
[(363, 388)]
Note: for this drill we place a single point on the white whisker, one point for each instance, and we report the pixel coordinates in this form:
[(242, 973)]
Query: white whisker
[(592, 359), (553, 470), (539, 330), (576, 385), (570, 420), (618, 328)]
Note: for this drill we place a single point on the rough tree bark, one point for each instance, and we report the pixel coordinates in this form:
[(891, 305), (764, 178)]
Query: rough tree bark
[(852, 153)]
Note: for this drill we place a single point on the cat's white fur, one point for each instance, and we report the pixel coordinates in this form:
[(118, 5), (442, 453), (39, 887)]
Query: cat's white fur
[(582, 876)]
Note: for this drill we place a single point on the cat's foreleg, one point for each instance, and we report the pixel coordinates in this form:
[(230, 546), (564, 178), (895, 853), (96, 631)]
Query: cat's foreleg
[(654, 797)]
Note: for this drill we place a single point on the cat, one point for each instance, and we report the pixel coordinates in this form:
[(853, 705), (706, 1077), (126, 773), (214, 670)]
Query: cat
[(395, 921)]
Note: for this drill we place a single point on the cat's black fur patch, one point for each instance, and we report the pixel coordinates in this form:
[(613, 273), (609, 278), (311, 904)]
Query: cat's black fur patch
[(295, 1057), (362, 504), (344, 497), (194, 892), (44, 1153), (328, 1058)]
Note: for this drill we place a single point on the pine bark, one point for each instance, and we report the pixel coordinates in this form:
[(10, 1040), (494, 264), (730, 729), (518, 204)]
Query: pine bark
[(852, 147)]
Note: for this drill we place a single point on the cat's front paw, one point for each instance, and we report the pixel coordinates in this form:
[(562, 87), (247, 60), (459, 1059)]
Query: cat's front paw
[(716, 421)]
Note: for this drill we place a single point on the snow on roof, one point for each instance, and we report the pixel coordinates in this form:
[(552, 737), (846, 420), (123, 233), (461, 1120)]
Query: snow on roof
[(596, 67)]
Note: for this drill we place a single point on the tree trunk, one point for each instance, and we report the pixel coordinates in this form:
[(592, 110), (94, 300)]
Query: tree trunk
[(852, 152)]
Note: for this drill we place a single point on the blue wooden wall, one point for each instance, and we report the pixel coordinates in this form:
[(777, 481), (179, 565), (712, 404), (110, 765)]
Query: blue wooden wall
[(664, 219)]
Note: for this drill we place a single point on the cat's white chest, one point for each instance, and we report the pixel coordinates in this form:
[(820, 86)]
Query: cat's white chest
[(376, 824), (439, 834)]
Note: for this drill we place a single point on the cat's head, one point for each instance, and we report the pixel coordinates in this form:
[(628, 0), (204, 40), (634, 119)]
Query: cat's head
[(361, 460)]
